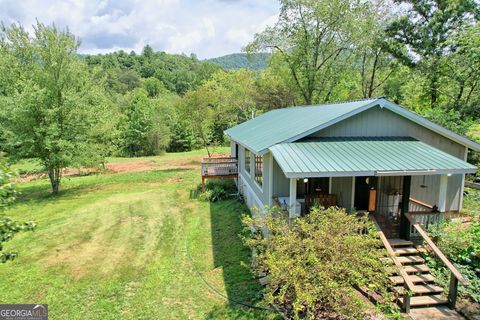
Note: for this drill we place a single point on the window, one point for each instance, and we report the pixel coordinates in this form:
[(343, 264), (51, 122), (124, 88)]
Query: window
[(259, 170), (248, 156)]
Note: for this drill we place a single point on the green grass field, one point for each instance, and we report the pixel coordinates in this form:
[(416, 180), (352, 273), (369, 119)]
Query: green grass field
[(114, 246)]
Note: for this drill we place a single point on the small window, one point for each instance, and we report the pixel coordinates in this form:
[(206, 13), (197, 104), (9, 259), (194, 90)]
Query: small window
[(259, 170), (248, 156)]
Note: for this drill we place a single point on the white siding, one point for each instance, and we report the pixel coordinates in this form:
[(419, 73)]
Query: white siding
[(254, 194), (281, 186), (379, 122)]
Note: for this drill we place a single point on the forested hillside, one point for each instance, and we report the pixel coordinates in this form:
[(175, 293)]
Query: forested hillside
[(257, 61), (69, 110)]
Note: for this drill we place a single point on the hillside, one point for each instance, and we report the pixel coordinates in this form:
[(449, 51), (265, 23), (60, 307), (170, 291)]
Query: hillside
[(234, 61)]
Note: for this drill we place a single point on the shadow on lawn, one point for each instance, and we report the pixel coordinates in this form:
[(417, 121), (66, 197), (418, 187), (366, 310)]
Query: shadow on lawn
[(233, 257)]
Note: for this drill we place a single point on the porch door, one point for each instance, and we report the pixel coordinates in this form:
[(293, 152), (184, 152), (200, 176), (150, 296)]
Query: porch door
[(362, 192), (389, 200)]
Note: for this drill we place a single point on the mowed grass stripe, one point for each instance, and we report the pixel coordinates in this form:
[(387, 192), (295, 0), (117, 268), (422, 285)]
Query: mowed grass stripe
[(113, 246)]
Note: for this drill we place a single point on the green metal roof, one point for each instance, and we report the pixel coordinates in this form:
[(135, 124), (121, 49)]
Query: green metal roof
[(364, 156), (291, 124), (280, 125)]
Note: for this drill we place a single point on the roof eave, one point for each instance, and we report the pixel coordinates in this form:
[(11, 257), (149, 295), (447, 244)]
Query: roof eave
[(378, 173)]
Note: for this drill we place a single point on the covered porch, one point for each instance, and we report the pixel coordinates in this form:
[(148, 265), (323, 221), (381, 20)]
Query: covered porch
[(372, 175)]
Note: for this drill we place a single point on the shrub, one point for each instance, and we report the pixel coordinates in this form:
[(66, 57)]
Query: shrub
[(314, 263), (217, 190), (461, 244), (8, 227)]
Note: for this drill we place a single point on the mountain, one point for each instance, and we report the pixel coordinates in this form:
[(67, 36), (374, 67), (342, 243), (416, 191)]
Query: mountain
[(257, 61)]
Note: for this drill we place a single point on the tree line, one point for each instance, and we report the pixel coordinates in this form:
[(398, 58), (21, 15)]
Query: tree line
[(67, 109)]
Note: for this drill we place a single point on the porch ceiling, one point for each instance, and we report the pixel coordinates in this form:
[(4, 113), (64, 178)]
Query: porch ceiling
[(364, 156)]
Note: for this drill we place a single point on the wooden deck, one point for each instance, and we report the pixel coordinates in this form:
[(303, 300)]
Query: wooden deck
[(222, 167)]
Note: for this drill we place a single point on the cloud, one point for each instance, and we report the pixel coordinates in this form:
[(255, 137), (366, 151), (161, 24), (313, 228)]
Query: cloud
[(207, 28)]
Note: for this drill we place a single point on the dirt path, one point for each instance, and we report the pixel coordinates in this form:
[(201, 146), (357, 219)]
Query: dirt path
[(123, 167)]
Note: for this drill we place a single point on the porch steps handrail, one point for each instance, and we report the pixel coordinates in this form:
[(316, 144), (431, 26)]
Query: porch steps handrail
[(456, 276), (420, 203), (406, 279)]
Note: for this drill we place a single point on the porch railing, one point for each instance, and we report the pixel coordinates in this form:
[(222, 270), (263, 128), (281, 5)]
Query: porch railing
[(427, 219), (419, 206), (422, 213), (455, 276)]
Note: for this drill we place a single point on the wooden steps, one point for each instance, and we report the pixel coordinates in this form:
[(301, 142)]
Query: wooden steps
[(406, 251), (419, 268), (422, 278), (421, 289), (410, 260), (424, 301), (425, 292), (400, 243)]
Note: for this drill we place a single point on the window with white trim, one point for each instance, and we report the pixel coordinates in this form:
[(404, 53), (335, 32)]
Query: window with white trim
[(248, 159), (259, 170)]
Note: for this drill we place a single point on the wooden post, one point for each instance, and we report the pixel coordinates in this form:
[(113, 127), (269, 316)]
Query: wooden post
[(372, 200), (293, 198), (203, 184), (406, 301), (452, 291), (404, 224), (442, 194)]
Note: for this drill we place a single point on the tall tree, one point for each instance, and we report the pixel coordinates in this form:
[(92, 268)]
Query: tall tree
[(50, 101), (420, 36), (313, 37), (374, 63), (462, 75), (144, 131)]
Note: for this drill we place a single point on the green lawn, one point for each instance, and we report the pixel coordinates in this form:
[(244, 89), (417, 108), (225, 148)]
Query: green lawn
[(115, 246)]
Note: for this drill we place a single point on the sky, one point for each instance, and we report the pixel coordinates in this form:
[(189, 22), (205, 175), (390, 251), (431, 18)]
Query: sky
[(208, 28)]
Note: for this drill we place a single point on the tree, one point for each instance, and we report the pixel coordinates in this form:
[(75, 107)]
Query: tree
[(154, 87), (313, 37), (198, 108), (8, 227), (50, 102), (314, 263), (420, 36), (144, 130), (373, 62), (463, 78)]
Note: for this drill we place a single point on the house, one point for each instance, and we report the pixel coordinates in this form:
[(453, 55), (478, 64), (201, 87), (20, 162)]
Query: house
[(364, 156)]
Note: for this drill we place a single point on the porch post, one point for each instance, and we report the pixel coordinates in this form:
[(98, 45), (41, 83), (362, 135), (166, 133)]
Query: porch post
[(270, 180), (404, 224), (293, 198), (442, 194)]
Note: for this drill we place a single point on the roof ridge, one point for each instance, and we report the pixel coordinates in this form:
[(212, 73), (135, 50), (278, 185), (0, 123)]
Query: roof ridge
[(332, 102)]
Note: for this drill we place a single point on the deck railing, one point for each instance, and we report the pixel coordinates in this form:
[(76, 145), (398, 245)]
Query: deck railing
[(221, 167), (455, 276), (218, 167)]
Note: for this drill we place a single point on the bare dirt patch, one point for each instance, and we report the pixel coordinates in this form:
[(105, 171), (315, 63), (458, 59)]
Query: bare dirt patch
[(124, 167), (134, 166)]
